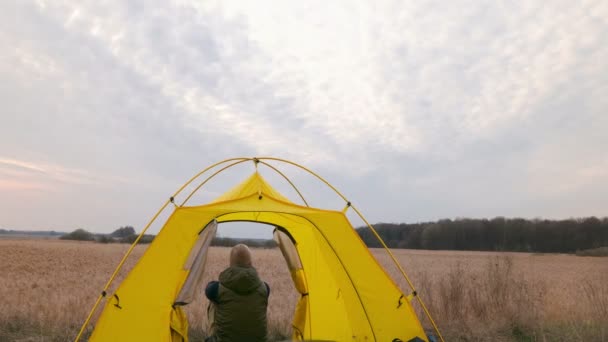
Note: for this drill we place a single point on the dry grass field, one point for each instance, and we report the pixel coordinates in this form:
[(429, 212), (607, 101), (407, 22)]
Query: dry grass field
[(48, 286)]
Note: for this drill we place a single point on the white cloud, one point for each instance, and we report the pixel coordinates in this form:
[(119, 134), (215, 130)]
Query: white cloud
[(408, 92), (19, 172)]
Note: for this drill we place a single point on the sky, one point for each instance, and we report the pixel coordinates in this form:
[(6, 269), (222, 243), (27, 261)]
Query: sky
[(414, 110)]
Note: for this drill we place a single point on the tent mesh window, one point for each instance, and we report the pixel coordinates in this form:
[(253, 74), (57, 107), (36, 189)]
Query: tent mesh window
[(196, 264)]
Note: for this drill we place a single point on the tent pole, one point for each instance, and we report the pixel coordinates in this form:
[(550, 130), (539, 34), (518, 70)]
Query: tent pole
[(239, 162), (309, 171), (86, 322), (209, 178), (287, 179)]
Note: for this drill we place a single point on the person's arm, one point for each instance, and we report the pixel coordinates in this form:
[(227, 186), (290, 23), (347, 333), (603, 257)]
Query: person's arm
[(212, 290), (267, 290)]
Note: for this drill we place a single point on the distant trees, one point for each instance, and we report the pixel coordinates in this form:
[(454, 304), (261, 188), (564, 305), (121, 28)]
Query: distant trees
[(79, 235), (497, 234), (147, 238), (36, 233), (127, 234), (229, 242), (124, 234)]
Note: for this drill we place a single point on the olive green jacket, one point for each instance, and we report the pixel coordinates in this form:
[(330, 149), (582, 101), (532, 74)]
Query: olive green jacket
[(240, 313)]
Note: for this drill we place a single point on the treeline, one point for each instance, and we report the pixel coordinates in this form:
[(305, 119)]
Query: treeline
[(230, 242), (124, 234), (36, 233), (498, 234), (127, 234)]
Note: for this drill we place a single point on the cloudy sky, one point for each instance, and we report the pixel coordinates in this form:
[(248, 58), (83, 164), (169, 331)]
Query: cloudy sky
[(416, 110)]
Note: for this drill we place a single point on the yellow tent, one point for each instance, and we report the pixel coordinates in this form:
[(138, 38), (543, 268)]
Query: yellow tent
[(345, 294)]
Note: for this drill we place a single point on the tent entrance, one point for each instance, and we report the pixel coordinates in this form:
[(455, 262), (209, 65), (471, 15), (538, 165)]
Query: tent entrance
[(202, 266)]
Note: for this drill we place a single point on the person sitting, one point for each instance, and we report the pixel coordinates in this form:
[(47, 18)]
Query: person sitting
[(238, 301)]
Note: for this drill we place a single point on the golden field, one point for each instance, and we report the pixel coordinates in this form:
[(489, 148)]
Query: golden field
[(47, 288)]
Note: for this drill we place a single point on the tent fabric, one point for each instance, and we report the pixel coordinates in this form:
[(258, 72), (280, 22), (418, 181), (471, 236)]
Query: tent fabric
[(350, 297)]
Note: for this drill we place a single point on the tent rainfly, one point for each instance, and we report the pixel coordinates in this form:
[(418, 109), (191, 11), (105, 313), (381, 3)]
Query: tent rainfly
[(345, 294)]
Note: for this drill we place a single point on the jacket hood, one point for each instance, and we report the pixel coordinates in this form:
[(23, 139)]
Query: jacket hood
[(242, 280)]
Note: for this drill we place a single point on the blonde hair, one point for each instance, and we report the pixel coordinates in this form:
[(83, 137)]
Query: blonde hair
[(240, 256)]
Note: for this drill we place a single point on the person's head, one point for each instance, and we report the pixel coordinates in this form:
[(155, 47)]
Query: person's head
[(240, 256)]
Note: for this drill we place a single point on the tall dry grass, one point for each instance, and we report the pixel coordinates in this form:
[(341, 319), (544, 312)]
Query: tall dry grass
[(47, 288), (488, 305), (483, 296)]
